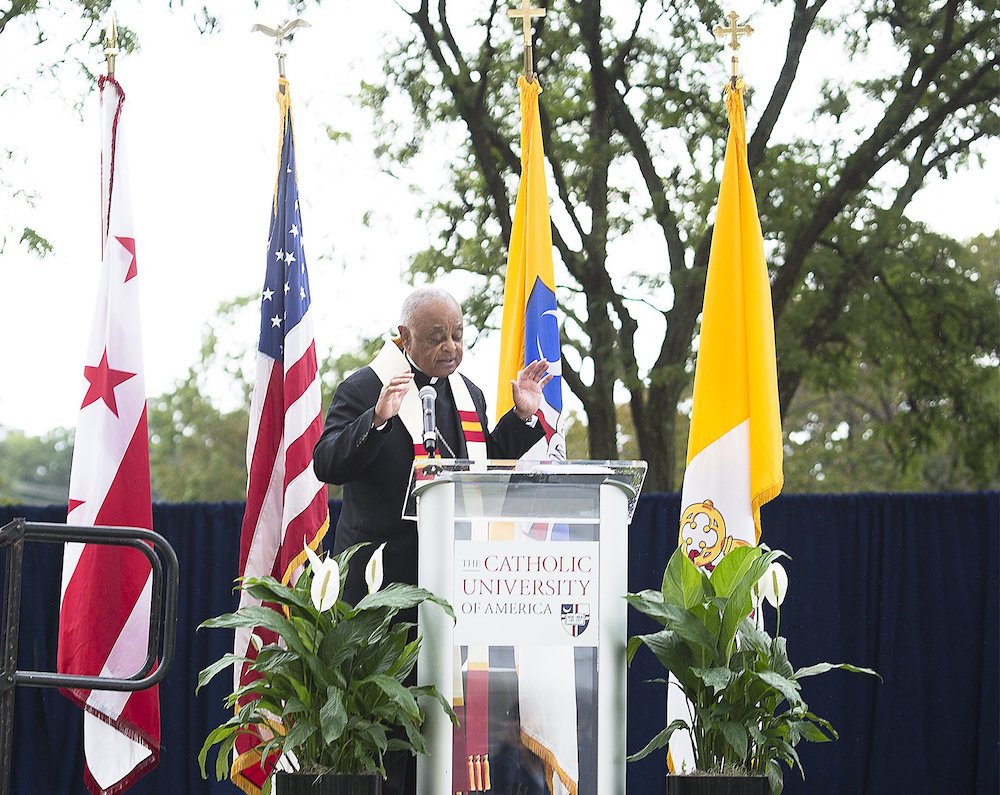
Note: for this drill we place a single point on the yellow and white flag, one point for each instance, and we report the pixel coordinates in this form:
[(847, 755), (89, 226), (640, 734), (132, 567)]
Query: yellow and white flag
[(734, 446)]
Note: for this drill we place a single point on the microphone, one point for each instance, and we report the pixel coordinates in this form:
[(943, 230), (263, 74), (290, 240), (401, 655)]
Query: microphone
[(427, 397)]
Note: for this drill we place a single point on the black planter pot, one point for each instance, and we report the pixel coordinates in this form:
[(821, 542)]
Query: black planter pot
[(717, 785), (326, 784)]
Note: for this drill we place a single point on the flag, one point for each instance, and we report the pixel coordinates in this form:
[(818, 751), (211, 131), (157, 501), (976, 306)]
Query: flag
[(104, 610), (287, 507), (734, 447), (530, 331), (530, 326)]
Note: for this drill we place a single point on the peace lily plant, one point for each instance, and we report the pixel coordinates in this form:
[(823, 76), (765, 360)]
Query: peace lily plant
[(745, 707), (331, 690)]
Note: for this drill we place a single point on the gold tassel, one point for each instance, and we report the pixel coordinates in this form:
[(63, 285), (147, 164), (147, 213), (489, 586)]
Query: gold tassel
[(479, 773), (487, 784), (472, 775)]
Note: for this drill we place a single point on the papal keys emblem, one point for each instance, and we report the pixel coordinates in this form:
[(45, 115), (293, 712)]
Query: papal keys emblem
[(703, 535), (575, 618)]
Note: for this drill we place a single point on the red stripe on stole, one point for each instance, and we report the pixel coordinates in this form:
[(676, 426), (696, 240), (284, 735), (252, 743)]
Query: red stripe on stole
[(472, 426), (265, 452)]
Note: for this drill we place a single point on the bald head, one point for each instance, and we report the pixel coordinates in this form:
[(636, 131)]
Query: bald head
[(430, 329)]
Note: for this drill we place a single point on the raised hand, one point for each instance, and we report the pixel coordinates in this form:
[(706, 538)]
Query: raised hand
[(391, 397), (527, 388)]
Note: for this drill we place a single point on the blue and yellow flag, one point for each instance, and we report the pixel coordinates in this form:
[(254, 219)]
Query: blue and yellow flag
[(530, 329)]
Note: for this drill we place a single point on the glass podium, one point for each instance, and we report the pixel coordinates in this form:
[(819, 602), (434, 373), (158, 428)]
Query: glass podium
[(533, 557)]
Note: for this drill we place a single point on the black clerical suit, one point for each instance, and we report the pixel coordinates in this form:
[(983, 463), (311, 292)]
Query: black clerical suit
[(374, 468)]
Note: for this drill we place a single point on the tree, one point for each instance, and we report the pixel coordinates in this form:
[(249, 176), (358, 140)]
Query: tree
[(197, 447), (634, 128), (869, 420), (72, 46), (34, 470)]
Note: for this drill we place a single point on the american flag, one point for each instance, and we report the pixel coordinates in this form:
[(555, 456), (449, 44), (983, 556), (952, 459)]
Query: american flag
[(287, 507), (104, 612)]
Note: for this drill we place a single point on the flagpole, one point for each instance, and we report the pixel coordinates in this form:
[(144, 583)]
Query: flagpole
[(111, 44), (734, 31), (526, 13), (280, 34)]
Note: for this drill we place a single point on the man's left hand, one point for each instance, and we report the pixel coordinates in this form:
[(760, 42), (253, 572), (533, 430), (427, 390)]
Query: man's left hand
[(527, 388)]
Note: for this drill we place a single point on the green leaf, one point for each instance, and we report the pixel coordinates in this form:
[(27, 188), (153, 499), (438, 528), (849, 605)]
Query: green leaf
[(226, 662), (659, 741), (822, 668), (733, 568), (684, 584), (788, 688), (775, 777), (685, 623), (737, 737), (252, 616), (397, 692), (717, 678), (400, 596), (740, 577), (333, 716)]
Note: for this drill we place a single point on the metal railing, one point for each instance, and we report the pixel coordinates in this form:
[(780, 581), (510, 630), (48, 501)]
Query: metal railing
[(162, 616)]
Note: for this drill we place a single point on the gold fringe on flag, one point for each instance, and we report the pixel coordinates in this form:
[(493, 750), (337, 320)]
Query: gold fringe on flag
[(551, 764)]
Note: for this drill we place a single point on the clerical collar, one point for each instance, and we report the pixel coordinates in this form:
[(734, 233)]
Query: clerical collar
[(420, 378)]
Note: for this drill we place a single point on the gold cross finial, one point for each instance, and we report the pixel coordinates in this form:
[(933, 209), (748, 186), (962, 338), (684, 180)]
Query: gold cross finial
[(526, 13), (734, 30), (279, 34), (111, 44)]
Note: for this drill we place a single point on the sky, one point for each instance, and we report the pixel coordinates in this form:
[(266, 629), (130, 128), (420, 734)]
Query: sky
[(201, 126)]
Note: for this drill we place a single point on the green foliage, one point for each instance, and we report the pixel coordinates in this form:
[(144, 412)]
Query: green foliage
[(34, 470), (745, 705), (332, 690), (196, 451), (634, 131), (905, 395)]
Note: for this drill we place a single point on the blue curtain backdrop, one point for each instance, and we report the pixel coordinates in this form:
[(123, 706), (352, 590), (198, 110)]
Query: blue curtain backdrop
[(905, 584)]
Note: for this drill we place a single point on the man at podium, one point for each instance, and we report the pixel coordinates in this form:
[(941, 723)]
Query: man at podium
[(376, 427)]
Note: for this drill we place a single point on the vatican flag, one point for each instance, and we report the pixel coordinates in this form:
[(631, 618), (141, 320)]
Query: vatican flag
[(734, 446)]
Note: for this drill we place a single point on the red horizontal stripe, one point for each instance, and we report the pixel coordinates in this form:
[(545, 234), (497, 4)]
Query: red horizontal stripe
[(475, 436)]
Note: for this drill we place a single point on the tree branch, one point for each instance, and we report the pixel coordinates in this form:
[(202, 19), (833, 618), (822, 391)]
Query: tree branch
[(802, 22)]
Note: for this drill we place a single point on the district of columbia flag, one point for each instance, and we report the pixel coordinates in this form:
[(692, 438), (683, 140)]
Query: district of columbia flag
[(734, 447), (104, 610), (530, 331), (287, 507), (530, 326)]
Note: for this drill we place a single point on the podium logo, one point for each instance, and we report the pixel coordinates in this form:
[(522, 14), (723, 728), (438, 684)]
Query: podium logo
[(575, 618)]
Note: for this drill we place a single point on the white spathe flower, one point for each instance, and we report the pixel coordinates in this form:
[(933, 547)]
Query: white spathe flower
[(326, 581), (773, 585), (256, 641), (374, 571)]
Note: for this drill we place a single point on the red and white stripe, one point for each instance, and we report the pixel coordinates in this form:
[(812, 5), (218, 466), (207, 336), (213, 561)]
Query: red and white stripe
[(104, 616)]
